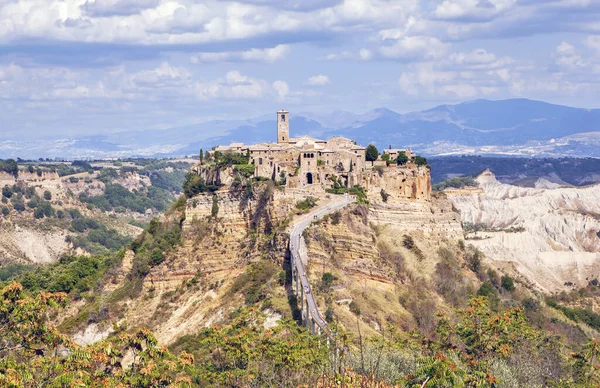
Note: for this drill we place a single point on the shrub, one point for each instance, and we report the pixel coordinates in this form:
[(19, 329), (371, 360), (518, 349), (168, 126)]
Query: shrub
[(7, 192), (18, 204), (386, 158), (47, 195), (245, 170), (38, 212), (402, 158), (420, 161), (508, 283), (307, 204), (486, 289), (195, 185), (336, 217), (326, 281), (354, 308)]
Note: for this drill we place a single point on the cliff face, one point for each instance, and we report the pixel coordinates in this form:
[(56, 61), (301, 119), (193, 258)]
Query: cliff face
[(191, 288), (399, 182), (555, 235), (365, 251)]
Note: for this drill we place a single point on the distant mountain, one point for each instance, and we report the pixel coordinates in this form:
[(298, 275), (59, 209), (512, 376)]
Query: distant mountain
[(506, 127)]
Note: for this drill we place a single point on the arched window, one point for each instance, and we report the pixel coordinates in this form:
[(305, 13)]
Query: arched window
[(283, 118)]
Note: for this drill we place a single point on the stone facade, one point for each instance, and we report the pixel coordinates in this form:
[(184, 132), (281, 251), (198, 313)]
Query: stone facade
[(306, 161)]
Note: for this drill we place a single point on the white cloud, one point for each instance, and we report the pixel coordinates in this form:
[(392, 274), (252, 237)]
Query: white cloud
[(567, 57), (281, 88), (236, 86), (365, 54), (267, 55), (318, 80), (415, 48), (477, 10)]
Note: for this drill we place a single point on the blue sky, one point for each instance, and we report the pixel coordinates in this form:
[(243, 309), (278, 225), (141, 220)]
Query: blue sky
[(79, 67)]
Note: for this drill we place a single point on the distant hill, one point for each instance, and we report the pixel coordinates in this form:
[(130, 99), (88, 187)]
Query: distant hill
[(517, 127)]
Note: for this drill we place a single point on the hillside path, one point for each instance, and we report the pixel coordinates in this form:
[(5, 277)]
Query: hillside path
[(300, 255)]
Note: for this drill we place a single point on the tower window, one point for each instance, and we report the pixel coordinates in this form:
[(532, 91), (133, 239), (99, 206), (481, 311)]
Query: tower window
[(283, 118)]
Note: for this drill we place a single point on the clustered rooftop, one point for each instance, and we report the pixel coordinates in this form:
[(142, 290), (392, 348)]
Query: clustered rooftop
[(305, 161)]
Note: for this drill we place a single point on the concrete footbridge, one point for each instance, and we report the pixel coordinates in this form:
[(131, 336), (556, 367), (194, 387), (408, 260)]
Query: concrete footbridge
[(299, 258)]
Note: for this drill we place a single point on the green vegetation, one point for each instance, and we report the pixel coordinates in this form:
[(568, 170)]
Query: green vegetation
[(154, 244), (9, 166), (118, 198), (245, 170), (228, 159), (307, 203), (386, 158), (481, 227), (508, 283), (327, 281), (420, 161), (70, 274), (195, 185), (10, 271), (402, 158), (586, 316), (457, 183), (254, 281), (98, 236), (339, 188), (34, 353), (244, 354), (371, 154)]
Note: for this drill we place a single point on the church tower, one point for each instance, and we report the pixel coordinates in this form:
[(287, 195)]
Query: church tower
[(283, 126)]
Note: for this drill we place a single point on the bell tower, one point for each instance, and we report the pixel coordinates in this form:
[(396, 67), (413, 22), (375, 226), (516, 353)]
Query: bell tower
[(283, 126)]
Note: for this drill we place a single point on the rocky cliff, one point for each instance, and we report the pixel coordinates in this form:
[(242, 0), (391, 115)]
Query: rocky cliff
[(552, 235)]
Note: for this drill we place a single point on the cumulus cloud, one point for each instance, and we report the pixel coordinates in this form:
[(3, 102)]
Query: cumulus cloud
[(567, 57), (104, 8), (414, 48), (318, 80), (267, 55), (471, 10)]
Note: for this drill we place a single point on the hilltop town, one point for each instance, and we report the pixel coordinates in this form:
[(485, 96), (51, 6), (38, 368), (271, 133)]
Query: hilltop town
[(317, 165)]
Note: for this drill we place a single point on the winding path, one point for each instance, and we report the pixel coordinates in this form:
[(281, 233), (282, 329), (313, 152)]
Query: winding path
[(310, 312)]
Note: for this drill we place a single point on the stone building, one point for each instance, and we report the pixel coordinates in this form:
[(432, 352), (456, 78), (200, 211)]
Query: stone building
[(306, 161)]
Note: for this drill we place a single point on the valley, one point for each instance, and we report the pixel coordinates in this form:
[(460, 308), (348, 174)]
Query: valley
[(386, 274)]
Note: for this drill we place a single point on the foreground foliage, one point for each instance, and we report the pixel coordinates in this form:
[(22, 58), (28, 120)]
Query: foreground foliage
[(34, 353)]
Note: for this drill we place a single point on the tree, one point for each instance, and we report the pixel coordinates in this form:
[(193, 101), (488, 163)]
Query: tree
[(47, 195), (35, 353), (420, 161), (386, 157), (201, 156), (371, 153), (10, 166), (401, 159)]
